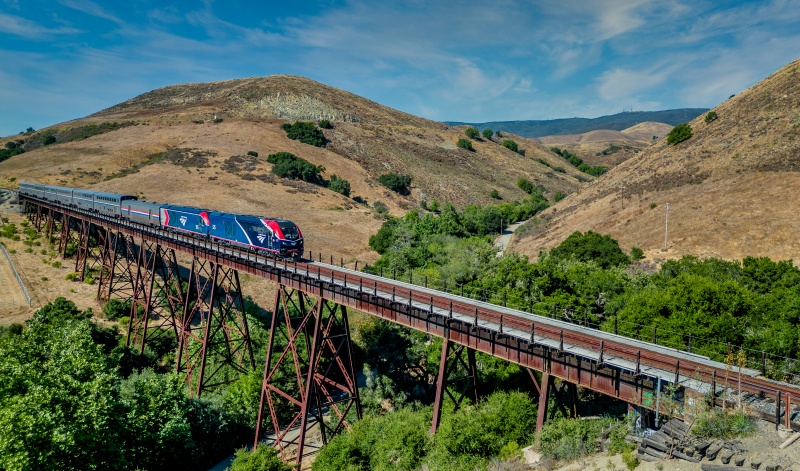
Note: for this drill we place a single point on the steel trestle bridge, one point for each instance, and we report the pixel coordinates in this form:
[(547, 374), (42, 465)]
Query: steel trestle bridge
[(309, 334)]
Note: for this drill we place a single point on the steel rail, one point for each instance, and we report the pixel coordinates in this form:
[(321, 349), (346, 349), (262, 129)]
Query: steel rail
[(390, 299)]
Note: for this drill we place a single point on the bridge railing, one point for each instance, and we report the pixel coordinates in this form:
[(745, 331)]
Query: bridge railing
[(778, 367)]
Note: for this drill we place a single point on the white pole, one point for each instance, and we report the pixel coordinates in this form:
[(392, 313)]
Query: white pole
[(666, 227)]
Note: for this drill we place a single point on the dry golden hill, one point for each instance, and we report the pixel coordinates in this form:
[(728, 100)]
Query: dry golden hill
[(170, 148), (607, 147), (731, 187)]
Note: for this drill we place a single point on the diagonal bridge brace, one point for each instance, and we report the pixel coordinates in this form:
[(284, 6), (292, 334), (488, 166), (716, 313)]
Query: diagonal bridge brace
[(309, 376)]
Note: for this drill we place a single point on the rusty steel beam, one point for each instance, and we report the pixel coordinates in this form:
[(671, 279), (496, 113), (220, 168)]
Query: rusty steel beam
[(91, 241), (117, 274), (157, 298), (309, 340), (213, 325), (544, 399), (452, 361)]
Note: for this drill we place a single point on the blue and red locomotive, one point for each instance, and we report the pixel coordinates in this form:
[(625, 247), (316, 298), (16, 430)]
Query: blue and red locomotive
[(263, 234)]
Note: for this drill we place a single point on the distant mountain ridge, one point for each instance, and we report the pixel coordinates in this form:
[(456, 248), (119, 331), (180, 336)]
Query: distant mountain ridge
[(614, 122)]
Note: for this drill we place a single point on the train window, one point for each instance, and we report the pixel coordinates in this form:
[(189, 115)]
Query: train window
[(259, 230), (289, 230)]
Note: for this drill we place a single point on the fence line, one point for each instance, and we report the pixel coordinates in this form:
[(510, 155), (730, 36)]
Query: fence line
[(19, 280)]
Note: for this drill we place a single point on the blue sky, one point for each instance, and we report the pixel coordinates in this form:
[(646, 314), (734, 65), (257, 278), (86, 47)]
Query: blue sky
[(472, 61)]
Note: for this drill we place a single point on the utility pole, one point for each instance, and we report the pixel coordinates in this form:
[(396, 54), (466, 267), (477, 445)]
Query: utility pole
[(622, 193), (666, 227)]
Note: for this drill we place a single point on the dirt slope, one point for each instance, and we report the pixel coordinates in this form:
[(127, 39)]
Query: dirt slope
[(730, 187)]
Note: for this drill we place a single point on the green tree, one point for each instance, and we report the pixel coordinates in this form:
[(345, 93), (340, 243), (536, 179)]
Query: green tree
[(487, 133), (395, 182), (288, 165), (472, 132), (116, 308), (339, 185), (526, 185), (305, 132), (510, 144), (464, 144), (679, 134), (711, 116), (592, 246), (58, 396)]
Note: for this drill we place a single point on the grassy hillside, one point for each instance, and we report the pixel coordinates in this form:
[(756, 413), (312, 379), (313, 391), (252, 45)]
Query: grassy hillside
[(189, 144), (730, 186)]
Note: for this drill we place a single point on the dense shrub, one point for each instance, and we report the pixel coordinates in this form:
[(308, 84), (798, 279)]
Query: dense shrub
[(510, 144), (487, 133), (569, 439), (305, 132), (636, 253), (592, 246), (526, 185), (577, 162), (495, 194), (263, 458), (252, 153), (10, 150), (395, 182), (339, 185), (381, 208), (724, 424), (472, 132), (288, 165), (116, 308), (711, 116), (464, 144), (325, 124), (679, 134)]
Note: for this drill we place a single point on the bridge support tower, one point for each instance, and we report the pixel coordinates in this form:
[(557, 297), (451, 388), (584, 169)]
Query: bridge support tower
[(308, 372), (213, 327)]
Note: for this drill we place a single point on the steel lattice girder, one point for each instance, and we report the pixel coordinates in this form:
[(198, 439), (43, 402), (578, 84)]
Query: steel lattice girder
[(157, 296), (213, 327), (117, 270), (308, 370), (91, 242), (452, 361)]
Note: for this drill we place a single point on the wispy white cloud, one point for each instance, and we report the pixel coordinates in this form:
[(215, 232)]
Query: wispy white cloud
[(19, 26), (90, 8)]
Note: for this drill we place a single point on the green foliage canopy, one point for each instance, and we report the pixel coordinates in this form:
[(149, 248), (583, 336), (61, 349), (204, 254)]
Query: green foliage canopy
[(472, 132), (592, 246), (679, 134), (288, 165), (511, 145), (395, 182), (464, 144), (339, 185), (305, 132)]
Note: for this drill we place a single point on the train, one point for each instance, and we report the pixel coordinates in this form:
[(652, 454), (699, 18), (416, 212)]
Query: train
[(266, 235)]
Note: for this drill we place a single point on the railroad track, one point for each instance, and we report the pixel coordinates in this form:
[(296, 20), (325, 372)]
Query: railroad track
[(665, 365)]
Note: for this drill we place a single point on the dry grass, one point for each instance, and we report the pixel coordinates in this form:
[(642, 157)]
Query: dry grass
[(730, 187), (176, 154)]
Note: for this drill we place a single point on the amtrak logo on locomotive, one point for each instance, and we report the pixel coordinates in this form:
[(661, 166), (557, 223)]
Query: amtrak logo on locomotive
[(183, 220)]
